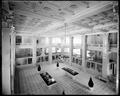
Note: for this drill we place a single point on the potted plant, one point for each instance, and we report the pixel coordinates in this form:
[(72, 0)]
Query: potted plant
[(57, 64), (90, 84), (39, 68)]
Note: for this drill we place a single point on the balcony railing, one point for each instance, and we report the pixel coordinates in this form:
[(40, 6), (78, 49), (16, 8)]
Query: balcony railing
[(95, 45), (113, 45)]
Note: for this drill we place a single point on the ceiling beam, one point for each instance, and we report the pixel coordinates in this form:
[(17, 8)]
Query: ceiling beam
[(18, 25), (88, 12), (106, 17), (103, 6), (34, 27), (82, 25), (104, 25), (52, 27), (28, 19), (60, 7), (36, 15)]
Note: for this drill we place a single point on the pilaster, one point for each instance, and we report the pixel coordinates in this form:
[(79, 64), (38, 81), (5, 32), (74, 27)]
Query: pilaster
[(50, 50), (84, 49), (105, 64), (71, 50), (34, 50)]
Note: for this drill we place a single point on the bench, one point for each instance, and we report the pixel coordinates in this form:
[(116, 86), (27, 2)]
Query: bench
[(70, 72), (49, 80)]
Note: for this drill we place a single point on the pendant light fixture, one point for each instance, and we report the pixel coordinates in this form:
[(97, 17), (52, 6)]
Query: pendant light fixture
[(65, 32)]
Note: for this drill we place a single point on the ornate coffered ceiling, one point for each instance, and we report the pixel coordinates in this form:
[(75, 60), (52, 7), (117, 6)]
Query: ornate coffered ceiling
[(49, 17)]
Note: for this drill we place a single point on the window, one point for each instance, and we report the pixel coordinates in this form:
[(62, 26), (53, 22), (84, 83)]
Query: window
[(113, 57), (46, 51), (27, 40), (39, 51), (73, 60), (53, 57), (53, 49), (18, 40), (80, 62), (41, 41), (95, 39), (93, 65), (29, 60), (46, 58), (99, 68), (76, 61), (88, 54), (66, 41), (94, 55), (47, 40), (66, 50), (27, 52), (58, 49), (88, 64), (38, 59), (42, 59), (112, 40), (77, 40), (56, 40), (76, 51)]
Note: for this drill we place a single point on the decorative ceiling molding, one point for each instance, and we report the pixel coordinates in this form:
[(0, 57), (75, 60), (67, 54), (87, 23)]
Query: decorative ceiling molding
[(89, 12), (50, 17), (35, 15), (5, 6), (52, 27), (103, 6), (82, 25), (61, 8), (7, 15), (103, 26), (26, 22)]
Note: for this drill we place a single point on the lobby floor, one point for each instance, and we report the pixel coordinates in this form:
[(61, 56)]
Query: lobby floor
[(29, 81)]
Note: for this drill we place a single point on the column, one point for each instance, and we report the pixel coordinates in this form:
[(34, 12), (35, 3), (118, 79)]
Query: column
[(105, 64), (63, 41), (12, 59), (117, 66), (34, 50), (84, 49), (71, 50), (50, 50), (43, 51), (6, 84)]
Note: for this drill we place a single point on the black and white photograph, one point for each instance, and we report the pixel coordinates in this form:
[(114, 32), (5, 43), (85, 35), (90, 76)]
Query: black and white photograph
[(51, 47)]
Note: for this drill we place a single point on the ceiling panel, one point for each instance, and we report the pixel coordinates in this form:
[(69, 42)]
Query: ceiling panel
[(50, 16), (19, 19), (33, 22), (45, 24), (101, 18), (61, 4)]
